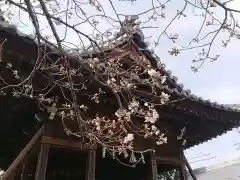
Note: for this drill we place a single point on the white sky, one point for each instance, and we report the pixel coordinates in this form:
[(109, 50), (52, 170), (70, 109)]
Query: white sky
[(218, 81)]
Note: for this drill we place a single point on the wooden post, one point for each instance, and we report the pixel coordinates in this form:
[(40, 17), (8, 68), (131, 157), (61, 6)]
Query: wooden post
[(22, 155), (90, 175), (189, 168), (183, 172), (154, 167), (25, 172), (42, 162)]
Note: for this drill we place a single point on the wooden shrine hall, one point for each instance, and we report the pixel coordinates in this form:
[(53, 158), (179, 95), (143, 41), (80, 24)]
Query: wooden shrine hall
[(35, 147)]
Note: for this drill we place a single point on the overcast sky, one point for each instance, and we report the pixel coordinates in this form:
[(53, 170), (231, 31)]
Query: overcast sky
[(218, 81)]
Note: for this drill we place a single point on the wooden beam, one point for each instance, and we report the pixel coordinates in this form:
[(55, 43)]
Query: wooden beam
[(169, 160), (22, 155), (91, 165), (42, 162), (66, 143), (154, 167)]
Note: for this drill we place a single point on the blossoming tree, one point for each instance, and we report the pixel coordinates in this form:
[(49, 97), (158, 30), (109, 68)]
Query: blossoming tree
[(63, 25)]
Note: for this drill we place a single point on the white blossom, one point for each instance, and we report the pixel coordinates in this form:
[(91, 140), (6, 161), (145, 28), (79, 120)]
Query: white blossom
[(113, 79), (159, 143), (164, 139), (98, 127), (161, 140), (128, 138), (152, 116), (129, 85), (157, 132), (83, 107), (121, 113), (164, 97), (163, 79), (128, 116), (154, 128), (109, 81), (133, 106), (152, 72)]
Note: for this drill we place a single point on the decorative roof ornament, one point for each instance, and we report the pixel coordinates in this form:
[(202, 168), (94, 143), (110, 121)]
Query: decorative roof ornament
[(131, 26), (2, 19)]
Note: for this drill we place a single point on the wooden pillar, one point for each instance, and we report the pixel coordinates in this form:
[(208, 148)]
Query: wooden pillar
[(90, 175), (25, 172), (42, 162), (154, 167), (183, 172), (17, 162), (189, 168)]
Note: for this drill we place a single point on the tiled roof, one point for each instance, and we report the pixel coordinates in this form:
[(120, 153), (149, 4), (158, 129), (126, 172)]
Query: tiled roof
[(121, 38)]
